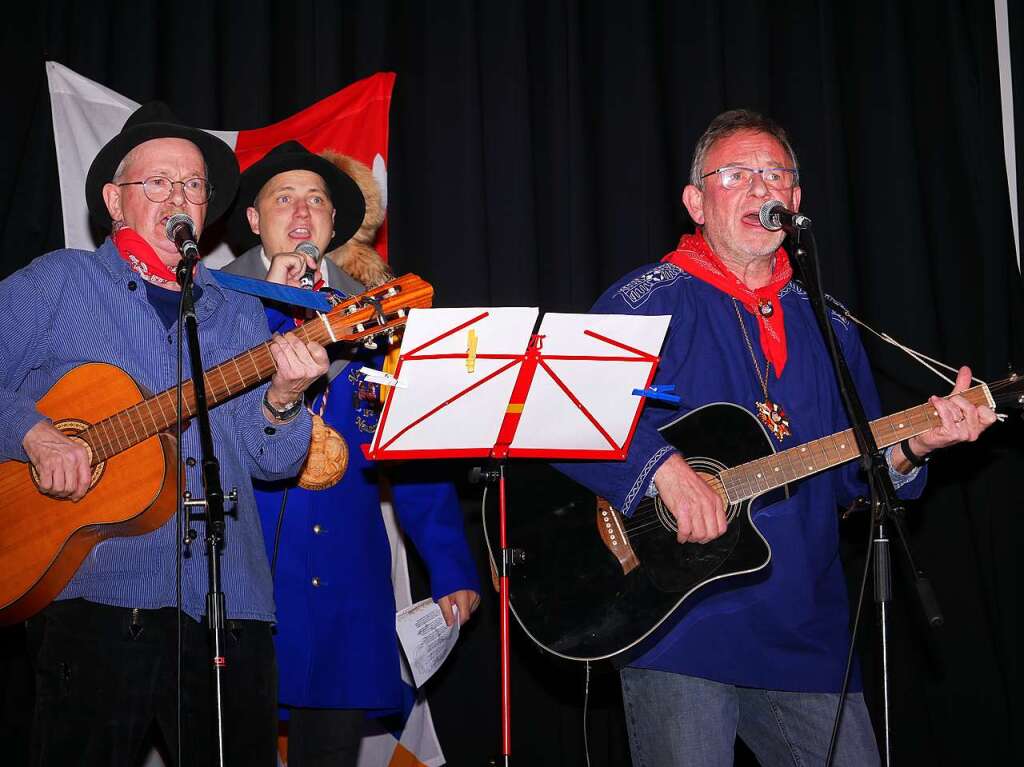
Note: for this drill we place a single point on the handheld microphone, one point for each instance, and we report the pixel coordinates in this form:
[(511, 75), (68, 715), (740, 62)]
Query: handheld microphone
[(308, 280), (181, 231), (775, 216)]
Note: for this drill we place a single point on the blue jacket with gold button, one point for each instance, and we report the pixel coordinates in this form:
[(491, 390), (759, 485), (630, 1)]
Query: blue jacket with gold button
[(336, 641)]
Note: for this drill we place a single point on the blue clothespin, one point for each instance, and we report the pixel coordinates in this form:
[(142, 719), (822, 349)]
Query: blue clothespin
[(660, 392)]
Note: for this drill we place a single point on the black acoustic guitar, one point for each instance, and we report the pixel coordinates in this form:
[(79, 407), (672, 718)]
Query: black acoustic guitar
[(594, 584)]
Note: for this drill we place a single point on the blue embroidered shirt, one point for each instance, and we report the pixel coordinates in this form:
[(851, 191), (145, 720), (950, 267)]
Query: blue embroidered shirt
[(786, 627)]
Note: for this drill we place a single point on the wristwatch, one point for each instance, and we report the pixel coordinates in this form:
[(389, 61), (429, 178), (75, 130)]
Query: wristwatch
[(286, 413), (915, 460)]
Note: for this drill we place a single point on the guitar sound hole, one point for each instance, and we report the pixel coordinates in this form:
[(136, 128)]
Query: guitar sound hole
[(71, 428), (708, 471), (665, 517)]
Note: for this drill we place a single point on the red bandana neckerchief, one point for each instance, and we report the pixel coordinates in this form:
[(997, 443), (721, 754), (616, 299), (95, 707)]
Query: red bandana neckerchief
[(142, 258), (695, 256)]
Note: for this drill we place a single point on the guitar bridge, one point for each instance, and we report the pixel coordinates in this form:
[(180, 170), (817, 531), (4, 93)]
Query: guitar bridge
[(609, 527)]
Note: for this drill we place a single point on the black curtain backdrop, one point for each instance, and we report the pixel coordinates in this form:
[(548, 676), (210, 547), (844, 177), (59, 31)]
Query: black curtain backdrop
[(538, 151)]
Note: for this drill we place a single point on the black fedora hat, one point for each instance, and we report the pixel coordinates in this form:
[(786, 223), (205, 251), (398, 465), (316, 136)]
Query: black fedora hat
[(155, 120), (346, 197)]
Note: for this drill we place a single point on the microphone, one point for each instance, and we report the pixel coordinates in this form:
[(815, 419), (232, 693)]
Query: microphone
[(181, 231), (308, 280), (775, 216)]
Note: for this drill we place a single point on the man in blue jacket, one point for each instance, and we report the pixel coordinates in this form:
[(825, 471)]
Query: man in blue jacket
[(760, 658), (338, 652)]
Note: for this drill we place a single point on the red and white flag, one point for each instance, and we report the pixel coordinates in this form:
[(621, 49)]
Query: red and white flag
[(353, 121)]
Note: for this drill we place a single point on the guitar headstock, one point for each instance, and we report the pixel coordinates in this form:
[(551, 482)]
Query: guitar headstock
[(379, 311), (1009, 392)]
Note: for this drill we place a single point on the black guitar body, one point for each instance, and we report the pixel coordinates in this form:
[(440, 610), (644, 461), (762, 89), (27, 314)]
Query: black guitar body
[(571, 594)]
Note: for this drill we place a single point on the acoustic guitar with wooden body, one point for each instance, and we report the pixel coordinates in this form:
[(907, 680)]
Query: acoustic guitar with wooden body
[(130, 439)]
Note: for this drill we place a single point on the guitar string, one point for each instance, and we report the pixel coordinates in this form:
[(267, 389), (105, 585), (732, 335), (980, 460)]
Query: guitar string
[(107, 443), (641, 522), (104, 446), (104, 438)]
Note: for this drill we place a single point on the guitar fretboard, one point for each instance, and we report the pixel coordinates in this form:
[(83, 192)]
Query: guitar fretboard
[(148, 418), (159, 413), (773, 471)]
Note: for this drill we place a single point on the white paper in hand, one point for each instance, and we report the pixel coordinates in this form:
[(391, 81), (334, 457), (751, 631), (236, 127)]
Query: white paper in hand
[(425, 638)]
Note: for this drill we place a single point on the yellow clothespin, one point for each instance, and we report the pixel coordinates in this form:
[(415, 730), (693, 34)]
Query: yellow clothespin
[(390, 366), (471, 351)]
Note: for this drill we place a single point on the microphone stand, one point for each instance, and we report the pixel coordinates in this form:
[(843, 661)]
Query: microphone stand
[(887, 509), (213, 503)]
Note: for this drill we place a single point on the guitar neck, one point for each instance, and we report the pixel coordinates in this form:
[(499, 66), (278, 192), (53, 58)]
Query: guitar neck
[(350, 322), (752, 479), (159, 413)]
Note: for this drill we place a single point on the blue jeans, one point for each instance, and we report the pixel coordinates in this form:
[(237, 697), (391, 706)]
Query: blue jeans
[(683, 720)]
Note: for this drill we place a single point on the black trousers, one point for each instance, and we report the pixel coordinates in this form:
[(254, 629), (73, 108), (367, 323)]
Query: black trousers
[(106, 675), (324, 737)]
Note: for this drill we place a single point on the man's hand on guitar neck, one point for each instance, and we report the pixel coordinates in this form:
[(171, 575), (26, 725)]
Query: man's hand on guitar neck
[(961, 422), (699, 510), (299, 364), (61, 462)]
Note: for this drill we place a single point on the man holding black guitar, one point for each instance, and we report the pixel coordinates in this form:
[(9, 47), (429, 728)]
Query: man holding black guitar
[(105, 651), (761, 657)]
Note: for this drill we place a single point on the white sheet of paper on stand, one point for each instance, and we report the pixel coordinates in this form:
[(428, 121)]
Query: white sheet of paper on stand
[(425, 638), (464, 365)]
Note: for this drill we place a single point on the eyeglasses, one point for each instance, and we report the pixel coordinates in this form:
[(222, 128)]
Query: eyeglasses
[(736, 177), (160, 188)]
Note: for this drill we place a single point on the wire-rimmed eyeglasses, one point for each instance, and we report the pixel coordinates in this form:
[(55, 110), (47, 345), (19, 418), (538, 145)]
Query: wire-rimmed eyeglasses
[(160, 188), (737, 176)]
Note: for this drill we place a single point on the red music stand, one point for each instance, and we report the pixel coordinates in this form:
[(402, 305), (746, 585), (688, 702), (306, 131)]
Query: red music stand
[(475, 383)]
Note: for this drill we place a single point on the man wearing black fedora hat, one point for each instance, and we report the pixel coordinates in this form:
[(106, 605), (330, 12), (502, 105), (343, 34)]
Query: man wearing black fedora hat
[(336, 646), (106, 651)]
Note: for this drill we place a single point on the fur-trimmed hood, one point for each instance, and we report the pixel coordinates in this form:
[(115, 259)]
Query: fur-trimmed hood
[(357, 256)]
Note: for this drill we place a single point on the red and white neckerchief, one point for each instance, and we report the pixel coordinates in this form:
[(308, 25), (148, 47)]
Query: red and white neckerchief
[(695, 256), (142, 258)]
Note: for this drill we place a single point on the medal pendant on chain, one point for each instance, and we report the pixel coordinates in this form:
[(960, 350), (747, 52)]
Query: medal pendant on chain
[(769, 413), (774, 418)]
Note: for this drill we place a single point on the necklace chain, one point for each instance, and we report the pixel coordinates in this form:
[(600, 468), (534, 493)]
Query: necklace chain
[(769, 413), (763, 380)]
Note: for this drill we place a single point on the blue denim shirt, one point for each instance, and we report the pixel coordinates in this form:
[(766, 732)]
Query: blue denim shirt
[(70, 307)]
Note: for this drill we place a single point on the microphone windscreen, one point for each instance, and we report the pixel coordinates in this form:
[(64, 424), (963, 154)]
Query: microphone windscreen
[(177, 220), (769, 220), (309, 249)]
